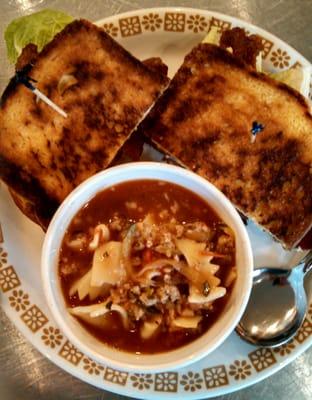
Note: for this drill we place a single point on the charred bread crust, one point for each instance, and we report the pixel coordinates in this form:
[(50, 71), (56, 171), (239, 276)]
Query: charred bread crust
[(156, 64), (29, 209), (27, 57), (204, 121), (28, 193), (12, 85)]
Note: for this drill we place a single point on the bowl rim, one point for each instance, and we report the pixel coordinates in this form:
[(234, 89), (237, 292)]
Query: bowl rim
[(47, 267)]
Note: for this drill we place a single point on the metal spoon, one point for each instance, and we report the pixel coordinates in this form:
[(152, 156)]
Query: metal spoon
[(277, 305)]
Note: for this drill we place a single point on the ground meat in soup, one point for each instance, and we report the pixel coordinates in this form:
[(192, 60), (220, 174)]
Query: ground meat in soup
[(147, 266)]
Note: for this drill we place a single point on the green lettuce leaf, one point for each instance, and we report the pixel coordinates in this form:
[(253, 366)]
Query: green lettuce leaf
[(38, 28)]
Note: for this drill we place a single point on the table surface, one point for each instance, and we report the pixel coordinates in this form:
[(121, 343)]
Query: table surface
[(24, 372)]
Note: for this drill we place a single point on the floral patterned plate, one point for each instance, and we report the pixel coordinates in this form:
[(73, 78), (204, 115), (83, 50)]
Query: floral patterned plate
[(169, 33)]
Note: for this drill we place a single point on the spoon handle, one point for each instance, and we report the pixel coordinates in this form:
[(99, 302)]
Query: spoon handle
[(307, 263)]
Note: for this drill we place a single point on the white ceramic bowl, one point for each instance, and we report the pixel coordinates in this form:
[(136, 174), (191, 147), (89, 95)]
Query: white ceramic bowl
[(163, 361)]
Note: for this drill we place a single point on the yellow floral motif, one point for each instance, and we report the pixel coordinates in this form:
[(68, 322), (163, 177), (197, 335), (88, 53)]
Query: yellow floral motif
[(280, 58), (297, 64), (262, 358), (92, 367), (240, 369), (19, 300), (8, 279), (285, 349), (111, 29), (166, 382), (304, 332), (196, 23), (191, 381), (52, 337), (174, 22), (216, 376), (130, 26), (34, 318), (267, 46), (141, 381), (114, 376), (3, 257), (220, 24), (70, 353), (151, 22)]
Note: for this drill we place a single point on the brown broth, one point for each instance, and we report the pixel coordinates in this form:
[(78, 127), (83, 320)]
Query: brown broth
[(149, 196)]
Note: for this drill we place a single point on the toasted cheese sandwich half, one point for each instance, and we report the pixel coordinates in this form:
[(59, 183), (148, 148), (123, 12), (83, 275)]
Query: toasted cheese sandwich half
[(246, 133), (105, 92)]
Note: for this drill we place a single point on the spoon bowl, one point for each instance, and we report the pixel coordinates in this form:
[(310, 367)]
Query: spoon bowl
[(277, 305)]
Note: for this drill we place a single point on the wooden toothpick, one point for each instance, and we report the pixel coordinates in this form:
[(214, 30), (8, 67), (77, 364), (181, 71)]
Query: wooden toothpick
[(20, 77)]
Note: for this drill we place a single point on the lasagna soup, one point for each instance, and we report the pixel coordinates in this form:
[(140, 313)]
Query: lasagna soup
[(147, 266)]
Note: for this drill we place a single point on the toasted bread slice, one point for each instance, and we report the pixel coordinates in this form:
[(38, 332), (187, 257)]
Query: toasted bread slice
[(29, 209), (104, 90), (205, 119)]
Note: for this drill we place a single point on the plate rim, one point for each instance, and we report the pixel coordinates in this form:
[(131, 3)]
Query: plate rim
[(186, 9), (150, 393)]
